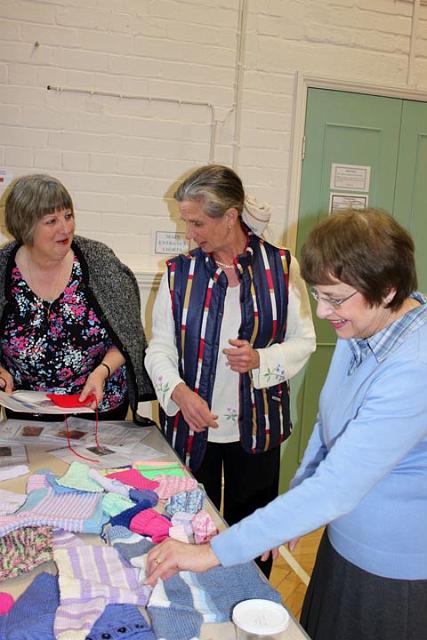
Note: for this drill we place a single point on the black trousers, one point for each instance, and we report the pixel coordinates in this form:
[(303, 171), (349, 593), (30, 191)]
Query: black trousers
[(251, 481)]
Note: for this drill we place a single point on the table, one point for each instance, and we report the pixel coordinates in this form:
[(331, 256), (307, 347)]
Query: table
[(41, 459)]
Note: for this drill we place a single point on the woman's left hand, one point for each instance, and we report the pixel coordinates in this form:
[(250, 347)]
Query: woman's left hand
[(242, 357), (274, 554), (94, 387), (171, 556)]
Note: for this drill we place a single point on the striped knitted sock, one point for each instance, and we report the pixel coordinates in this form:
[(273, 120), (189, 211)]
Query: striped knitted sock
[(132, 547), (171, 620), (172, 611), (179, 606), (77, 511), (90, 577)]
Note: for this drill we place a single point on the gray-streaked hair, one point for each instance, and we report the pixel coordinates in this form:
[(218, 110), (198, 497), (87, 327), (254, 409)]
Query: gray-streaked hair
[(216, 187), (29, 199)]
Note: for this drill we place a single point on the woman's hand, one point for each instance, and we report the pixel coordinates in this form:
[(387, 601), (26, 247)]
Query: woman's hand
[(95, 383), (94, 386), (171, 556), (274, 554), (194, 409), (6, 381), (293, 543), (242, 357)]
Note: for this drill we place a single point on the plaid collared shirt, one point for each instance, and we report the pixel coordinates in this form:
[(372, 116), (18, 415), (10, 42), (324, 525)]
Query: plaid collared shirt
[(383, 343)]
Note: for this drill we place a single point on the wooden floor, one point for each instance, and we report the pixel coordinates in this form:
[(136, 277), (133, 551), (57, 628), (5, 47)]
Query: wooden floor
[(291, 581)]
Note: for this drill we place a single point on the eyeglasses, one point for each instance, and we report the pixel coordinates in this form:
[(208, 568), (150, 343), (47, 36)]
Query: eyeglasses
[(332, 302)]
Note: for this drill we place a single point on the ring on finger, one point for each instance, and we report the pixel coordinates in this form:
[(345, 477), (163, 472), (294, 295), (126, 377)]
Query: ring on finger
[(157, 561)]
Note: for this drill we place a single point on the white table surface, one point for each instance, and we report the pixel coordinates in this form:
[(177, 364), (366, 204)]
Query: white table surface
[(41, 459)]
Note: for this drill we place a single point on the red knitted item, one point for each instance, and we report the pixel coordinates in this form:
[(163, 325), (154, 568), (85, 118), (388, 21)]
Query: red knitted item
[(69, 401)]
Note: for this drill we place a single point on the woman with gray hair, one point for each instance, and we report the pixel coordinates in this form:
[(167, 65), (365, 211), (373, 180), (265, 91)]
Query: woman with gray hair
[(231, 326), (70, 310)]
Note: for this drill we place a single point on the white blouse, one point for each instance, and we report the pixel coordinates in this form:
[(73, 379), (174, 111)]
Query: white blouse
[(278, 362)]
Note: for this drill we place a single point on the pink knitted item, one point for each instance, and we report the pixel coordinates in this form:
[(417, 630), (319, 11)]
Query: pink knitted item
[(133, 478), (37, 481), (203, 527), (170, 485), (150, 523), (183, 519), (6, 602)]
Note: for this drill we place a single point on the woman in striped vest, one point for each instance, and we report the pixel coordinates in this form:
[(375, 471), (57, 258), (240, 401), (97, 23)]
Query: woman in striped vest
[(231, 326)]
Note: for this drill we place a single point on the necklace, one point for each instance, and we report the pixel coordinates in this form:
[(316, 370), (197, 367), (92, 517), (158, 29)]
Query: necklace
[(46, 306), (224, 266)]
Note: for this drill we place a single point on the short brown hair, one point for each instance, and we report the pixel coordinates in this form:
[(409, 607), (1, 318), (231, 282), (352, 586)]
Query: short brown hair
[(29, 199), (217, 187), (366, 249)]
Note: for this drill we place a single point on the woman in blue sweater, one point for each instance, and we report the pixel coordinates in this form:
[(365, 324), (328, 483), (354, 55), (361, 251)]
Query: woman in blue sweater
[(364, 472)]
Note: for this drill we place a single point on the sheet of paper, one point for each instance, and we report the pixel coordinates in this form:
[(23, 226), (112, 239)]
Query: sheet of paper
[(43, 433), (121, 434), (350, 177), (35, 402), (12, 454), (107, 457)]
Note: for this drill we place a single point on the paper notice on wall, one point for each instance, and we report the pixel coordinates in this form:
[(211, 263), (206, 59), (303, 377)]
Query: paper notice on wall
[(344, 201), (350, 177), (171, 243)]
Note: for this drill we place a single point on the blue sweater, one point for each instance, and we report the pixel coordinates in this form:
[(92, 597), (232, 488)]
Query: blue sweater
[(365, 467)]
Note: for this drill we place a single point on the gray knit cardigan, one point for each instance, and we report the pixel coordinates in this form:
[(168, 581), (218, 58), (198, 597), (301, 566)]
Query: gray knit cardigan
[(113, 291)]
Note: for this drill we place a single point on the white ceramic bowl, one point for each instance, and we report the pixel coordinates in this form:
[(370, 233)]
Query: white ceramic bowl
[(260, 619)]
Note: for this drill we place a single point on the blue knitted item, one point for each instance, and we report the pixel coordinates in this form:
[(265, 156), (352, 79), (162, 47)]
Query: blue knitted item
[(124, 518), (137, 495), (129, 545), (33, 614), (187, 501), (121, 622), (194, 598), (175, 623), (243, 581)]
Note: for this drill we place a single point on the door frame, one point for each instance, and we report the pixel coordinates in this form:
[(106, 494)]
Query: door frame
[(303, 83)]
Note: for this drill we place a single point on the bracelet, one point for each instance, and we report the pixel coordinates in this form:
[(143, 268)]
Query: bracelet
[(104, 364)]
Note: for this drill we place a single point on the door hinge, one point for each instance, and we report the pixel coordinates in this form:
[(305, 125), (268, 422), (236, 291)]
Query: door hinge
[(303, 148)]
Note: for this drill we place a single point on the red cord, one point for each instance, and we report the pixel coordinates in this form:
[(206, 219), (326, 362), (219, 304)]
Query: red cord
[(79, 455), (96, 428)]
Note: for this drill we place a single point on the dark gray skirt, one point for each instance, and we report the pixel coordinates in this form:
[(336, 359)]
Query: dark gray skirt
[(344, 602)]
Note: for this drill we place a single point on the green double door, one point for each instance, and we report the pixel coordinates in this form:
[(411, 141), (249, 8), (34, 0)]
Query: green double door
[(369, 150)]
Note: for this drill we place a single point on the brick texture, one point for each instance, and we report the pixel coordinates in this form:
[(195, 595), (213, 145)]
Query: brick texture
[(121, 156)]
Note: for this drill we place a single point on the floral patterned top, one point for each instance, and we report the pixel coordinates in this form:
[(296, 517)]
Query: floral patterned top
[(54, 346)]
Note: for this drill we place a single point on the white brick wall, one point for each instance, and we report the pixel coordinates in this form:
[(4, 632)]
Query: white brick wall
[(120, 157)]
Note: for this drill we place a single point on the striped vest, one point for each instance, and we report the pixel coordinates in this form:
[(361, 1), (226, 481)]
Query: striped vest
[(198, 288)]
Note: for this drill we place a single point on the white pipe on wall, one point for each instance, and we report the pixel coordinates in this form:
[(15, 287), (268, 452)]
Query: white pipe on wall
[(413, 43), (238, 85), (129, 96)]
